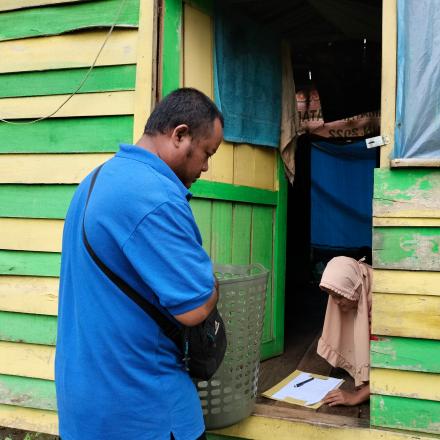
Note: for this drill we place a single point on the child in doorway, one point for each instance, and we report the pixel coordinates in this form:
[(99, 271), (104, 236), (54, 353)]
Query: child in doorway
[(345, 340)]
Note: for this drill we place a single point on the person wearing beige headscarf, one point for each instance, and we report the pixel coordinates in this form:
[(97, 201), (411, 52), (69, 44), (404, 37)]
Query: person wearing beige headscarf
[(345, 340)]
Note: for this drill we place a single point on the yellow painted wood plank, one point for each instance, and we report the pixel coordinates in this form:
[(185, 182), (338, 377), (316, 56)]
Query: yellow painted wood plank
[(198, 50), (198, 72), (264, 428), (31, 234), (28, 360), (405, 383), (412, 221), (10, 5), (255, 166), (244, 164), (145, 65), (84, 104), (222, 165), (67, 51), (389, 74), (264, 168), (48, 168), (413, 316), (37, 295), (406, 282), (29, 419)]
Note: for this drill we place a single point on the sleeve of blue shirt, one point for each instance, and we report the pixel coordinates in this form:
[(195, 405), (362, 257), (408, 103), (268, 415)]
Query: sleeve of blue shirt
[(166, 251)]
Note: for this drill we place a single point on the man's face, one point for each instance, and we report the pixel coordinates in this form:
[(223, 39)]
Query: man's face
[(195, 152)]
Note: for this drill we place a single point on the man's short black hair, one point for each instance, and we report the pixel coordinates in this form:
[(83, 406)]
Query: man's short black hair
[(183, 106)]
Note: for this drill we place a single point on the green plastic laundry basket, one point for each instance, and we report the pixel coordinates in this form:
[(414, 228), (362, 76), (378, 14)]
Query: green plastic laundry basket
[(230, 395)]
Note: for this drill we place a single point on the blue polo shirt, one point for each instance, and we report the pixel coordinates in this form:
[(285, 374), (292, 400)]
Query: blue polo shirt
[(117, 375)]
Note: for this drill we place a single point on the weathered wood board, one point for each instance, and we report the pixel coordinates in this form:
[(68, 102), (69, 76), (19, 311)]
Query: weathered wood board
[(27, 328), (86, 104), (412, 316), (30, 263), (411, 384), (54, 20), (406, 354), (10, 5), (65, 81), (68, 51), (403, 413), (98, 134), (406, 193), (35, 201), (35, 295), (408, 248), (27, 392), (31, 234), (48, 168), (29, 419), (406, 282), (27, 360)]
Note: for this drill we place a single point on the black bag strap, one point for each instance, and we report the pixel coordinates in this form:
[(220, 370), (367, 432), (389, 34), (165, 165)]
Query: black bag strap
[(171, 330)]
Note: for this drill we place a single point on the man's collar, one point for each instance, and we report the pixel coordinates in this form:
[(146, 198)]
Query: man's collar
[(140, 154)]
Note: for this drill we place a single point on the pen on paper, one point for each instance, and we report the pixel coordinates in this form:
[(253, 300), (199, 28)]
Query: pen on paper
[(300, 384)]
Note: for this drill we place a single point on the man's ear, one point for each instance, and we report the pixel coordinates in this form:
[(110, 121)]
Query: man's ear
[(179, 133)]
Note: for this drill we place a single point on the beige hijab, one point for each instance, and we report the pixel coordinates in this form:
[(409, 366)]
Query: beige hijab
[(345, 340)]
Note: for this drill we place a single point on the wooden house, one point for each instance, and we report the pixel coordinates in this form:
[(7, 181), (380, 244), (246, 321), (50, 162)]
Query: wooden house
[(149, 48)]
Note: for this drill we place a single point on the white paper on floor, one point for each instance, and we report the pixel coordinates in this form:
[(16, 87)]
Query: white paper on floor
[(311, 392)]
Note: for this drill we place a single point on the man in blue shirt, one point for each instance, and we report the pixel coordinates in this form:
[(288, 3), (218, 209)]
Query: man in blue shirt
[(118, 377)]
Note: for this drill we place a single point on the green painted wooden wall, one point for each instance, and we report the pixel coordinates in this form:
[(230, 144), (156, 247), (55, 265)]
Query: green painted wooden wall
[(406, 314)]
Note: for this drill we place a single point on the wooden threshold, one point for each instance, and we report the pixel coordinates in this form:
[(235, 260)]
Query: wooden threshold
[(309, 416)]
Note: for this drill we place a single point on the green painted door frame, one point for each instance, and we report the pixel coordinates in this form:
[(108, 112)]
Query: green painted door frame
[(170, 72)]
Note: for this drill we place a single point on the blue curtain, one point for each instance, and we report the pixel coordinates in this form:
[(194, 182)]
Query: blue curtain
[(341, 195), (418, 79)]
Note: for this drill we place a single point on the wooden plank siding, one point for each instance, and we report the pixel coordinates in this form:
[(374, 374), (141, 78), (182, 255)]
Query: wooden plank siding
[(33, 295), (40, 70), (64, 81), (12, 5), (405, 375), (407, 354), (67, 135), (57, 20), (68, 51)]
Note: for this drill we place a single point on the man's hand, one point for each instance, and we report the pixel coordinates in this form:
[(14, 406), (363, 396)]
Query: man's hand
[(347, 398)]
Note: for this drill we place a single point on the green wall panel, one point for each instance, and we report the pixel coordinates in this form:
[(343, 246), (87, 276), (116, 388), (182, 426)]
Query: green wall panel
[(27, 392), (55, 20), (65, 81), (238, 193), (410, 248), (241, 234), (202, 210), (171, 45), (403, 413), (35, 201), (30, 263), (67, 135), (32, 329), (406, 354), (221, 235), (262, 252)]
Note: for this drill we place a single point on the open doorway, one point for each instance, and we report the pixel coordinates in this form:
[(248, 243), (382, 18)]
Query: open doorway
[(336, 56)]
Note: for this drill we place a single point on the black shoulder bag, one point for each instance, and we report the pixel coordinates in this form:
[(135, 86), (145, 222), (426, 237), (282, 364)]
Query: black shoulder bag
[(203, 346)]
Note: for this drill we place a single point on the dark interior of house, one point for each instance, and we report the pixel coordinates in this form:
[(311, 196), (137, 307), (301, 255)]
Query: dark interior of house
[(336, 55)]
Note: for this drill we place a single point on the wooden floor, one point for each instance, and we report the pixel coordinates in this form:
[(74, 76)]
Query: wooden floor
[(301, 340)]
